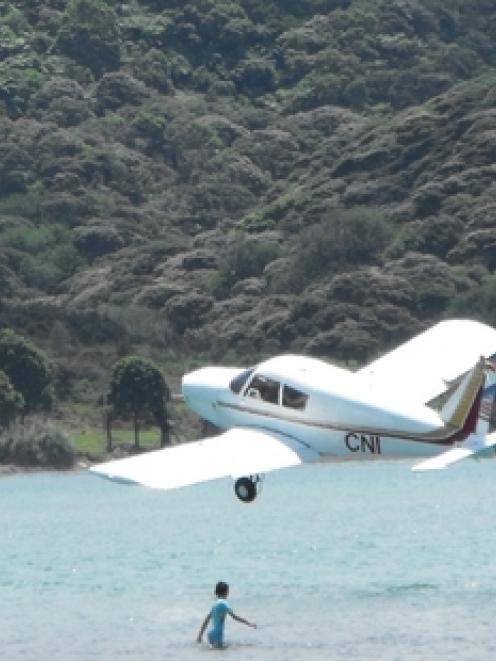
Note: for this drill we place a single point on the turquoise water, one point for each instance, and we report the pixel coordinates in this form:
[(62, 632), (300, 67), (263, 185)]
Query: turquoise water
[(336, 561)]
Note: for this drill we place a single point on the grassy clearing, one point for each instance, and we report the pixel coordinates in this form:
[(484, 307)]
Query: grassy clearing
[(93, 442)]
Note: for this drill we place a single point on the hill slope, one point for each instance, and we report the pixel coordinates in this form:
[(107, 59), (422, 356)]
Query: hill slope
[(226, 180)]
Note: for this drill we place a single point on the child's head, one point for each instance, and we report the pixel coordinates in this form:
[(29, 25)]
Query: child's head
[(221, 590)]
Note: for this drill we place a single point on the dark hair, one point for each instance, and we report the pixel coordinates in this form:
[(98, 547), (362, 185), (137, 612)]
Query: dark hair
[(221, 589)]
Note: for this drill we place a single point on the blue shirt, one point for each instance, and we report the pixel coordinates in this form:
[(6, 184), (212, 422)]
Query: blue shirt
[(218, 615)]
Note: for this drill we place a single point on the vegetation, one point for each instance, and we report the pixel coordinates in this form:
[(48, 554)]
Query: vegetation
[(11, 402), (195, 181), (138, 392), (36, 446), (27, 369)]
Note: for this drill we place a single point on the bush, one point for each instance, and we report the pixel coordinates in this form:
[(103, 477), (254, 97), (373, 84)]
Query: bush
[(346, 239), (244, 259), (117, 89), (255, 76), (97, 240), (36, 446), (479, 302), (49, 255)]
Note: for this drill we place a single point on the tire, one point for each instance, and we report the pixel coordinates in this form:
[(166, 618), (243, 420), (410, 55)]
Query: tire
[(245, 489)]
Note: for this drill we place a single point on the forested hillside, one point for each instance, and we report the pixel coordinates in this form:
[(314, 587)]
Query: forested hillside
[(222, 180)]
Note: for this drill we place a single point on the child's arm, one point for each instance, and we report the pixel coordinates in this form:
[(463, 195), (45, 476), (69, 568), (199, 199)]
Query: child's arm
[(243, 621), (203, 627)]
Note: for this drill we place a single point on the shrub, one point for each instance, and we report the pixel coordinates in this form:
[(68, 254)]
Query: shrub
[(36, 445), (118, 88), (96, 240), (51, 257), (479, 302), (61, 100), (347, 238), (255, 76), (245, 258), (188, 310)]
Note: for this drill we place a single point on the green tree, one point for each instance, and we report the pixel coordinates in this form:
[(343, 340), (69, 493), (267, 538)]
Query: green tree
[(89, 33), (139, 392), (28, 370), (11, 402)]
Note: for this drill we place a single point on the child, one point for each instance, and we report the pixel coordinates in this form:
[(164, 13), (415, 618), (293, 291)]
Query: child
[(218, 615)]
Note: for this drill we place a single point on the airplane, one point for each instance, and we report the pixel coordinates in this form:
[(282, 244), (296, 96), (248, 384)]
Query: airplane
[(433, 396)]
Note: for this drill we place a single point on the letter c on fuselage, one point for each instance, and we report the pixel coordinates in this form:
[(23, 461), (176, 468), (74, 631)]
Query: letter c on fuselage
[(352, 442)]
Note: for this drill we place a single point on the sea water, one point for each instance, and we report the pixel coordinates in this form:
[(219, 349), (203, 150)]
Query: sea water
[(333, 561)]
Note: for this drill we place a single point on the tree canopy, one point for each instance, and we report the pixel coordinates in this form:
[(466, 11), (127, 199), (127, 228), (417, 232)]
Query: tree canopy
[(89, 33), (138, 391), (28, 371)]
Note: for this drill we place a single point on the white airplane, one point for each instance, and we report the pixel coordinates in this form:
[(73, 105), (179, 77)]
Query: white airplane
[(432, 396)]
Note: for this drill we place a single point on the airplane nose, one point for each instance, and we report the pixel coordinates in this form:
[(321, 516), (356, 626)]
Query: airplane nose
[(203, 388), (200, 393)]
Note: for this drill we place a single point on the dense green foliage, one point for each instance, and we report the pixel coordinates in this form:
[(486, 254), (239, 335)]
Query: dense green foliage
[(36, 445), (138, 392), (234, 179), (27, 369), (11, 402)]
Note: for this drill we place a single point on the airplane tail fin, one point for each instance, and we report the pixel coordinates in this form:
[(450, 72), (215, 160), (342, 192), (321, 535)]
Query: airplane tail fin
[(487, 409), (476, 436), (461, 410)]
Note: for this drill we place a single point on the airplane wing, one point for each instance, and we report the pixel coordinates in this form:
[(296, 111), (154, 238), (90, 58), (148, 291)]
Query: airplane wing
[(475, 445), (423, 367), (237, 452)]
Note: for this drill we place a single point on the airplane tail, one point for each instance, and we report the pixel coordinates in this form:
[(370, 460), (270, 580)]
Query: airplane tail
[(473, 403), (462, 408), (487, 409)]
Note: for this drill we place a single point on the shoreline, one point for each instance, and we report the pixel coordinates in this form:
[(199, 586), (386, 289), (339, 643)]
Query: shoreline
[(13, 469)]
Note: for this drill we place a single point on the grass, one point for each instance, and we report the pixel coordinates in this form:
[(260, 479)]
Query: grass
[(93, 442)]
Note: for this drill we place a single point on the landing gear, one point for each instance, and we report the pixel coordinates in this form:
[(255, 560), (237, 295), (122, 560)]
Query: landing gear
[(247, 488)]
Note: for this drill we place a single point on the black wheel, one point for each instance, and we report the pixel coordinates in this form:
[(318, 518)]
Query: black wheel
[(245, 489)]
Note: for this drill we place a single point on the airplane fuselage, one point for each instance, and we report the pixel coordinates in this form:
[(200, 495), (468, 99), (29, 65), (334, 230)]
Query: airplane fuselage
[(324, 407)]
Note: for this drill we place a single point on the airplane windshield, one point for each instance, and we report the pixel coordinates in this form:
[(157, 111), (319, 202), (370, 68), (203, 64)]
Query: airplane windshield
[(239, 381)]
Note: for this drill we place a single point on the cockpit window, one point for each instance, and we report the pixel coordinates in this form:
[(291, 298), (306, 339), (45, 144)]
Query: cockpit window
[(294, 398), (261, 387), (239, 381)]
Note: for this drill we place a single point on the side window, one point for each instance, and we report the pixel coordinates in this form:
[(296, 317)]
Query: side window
[(261, 387), (294, 398)]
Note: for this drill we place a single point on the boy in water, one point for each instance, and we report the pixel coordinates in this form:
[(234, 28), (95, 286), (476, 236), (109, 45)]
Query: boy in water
[(218, 614)]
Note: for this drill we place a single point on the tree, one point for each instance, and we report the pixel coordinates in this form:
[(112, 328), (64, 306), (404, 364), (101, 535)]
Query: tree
[(11, 402), (89, 33), (28, 370), (138, 391)]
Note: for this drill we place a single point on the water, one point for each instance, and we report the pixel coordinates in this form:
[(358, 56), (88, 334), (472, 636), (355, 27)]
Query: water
[(336, 561)]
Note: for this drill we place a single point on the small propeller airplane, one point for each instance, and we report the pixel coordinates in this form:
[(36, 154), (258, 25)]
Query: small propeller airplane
[(431, 397)]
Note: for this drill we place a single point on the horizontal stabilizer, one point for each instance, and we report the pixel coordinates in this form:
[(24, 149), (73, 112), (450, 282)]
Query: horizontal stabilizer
[(474, 446), (444, 459), (237, 452)]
